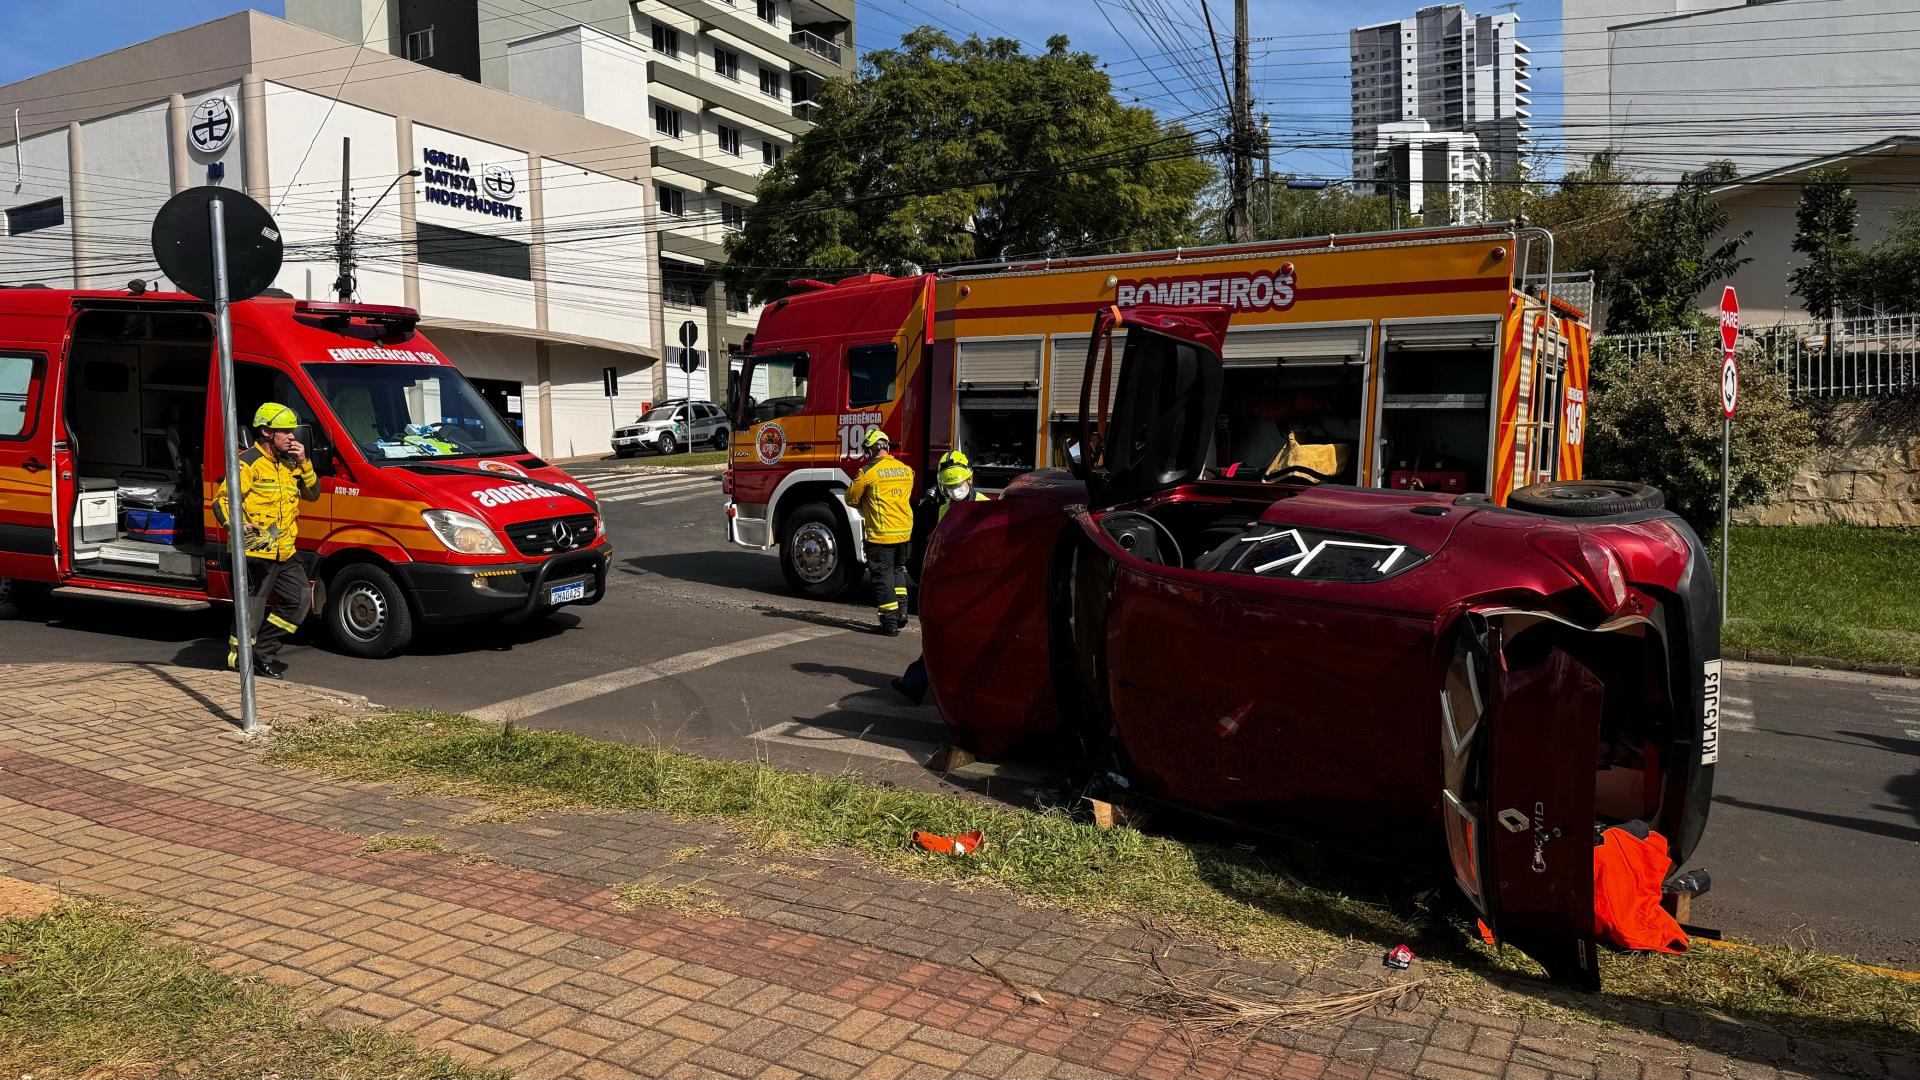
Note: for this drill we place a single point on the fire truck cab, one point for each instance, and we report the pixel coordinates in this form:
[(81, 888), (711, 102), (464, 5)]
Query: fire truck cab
[(430, 509), (1437, 360)]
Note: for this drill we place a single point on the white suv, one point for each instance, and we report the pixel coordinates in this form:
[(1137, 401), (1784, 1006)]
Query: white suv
[(667, 428)]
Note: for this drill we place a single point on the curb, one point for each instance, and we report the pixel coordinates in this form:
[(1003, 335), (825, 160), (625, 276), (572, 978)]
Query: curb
[(1760, 656)]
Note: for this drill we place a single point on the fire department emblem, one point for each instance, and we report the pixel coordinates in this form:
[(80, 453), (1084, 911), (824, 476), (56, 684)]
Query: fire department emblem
[(771, 444), (500, 467)]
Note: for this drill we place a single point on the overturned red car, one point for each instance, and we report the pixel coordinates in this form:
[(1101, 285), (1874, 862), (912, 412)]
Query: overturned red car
[(1430, 679)]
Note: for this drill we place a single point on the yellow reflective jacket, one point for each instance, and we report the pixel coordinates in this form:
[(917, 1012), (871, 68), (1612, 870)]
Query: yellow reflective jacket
[(883, 493), (270, 495)]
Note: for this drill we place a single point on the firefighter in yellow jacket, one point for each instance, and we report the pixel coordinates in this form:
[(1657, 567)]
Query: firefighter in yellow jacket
[(883, 493), (275, 477)]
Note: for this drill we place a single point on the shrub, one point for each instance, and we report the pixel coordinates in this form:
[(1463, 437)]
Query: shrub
[(1655, 418)]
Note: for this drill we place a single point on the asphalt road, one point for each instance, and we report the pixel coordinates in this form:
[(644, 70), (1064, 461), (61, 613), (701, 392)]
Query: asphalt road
[(1814, 839)]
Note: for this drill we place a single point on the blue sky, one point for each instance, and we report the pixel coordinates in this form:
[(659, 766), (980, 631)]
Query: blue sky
[(1299, 54)]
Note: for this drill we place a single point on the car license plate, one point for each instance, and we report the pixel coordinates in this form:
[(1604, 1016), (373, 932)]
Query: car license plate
[(1710, 713), (562, 594)]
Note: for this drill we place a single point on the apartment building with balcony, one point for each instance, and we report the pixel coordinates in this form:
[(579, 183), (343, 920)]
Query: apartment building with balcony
[(719, 90), (1460, 74)]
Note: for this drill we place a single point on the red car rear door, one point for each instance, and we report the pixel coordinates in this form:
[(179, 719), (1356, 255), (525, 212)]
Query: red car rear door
[(1536, 824)]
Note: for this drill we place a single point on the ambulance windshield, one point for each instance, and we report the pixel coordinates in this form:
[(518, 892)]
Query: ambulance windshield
[(405, 412)]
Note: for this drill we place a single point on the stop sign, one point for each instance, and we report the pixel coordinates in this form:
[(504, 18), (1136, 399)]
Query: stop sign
[(1729, 320)]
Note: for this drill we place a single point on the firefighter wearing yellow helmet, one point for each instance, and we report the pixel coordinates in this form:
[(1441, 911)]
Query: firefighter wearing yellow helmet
[(883, 493), (275, 478)]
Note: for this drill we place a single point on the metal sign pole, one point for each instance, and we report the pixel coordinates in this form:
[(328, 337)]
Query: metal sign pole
[(236, 527), (1726, 521)]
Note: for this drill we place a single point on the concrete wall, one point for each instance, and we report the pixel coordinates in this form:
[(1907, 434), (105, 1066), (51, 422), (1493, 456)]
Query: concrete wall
[(349, 20), (599, 283), (308, 128), (504, 21), (1585, 46), (468, 294), (1738, 77), (1863, 472), (45, 255)]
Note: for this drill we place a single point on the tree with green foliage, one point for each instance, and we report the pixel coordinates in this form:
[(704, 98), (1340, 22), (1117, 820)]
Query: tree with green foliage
[(1654, 417), (1827, 218), (1587, 210), (943, 151), (1672, 253), (1324, 210)]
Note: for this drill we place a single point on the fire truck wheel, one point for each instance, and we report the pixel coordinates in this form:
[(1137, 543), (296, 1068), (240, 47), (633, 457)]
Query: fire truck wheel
[(814, 552), (367, 612), (1587, 498)]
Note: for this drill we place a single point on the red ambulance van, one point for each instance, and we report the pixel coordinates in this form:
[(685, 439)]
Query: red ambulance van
[(430, 512)]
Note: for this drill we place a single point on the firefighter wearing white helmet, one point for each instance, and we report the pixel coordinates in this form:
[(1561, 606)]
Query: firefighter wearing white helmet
[(275, 478), (883, 493)]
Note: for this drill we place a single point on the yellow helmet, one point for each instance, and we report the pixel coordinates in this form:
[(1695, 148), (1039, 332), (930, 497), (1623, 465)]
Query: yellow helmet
[(275, 417), (955, 469), (875, 438)]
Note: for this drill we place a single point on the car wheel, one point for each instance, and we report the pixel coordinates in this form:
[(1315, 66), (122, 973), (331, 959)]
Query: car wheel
[(668, 444), (367, 612), (720, 439), (1587, 498), (20, 599), (815, 551)]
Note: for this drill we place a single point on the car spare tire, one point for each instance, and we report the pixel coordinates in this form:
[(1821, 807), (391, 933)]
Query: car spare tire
[(1587, 498)]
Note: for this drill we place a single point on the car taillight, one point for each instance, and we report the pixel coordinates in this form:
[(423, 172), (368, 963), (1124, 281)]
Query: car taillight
[(1591, 562), (726, 482)]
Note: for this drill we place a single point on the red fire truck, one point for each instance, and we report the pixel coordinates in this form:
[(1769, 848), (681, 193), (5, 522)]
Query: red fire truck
[(1433, 359)]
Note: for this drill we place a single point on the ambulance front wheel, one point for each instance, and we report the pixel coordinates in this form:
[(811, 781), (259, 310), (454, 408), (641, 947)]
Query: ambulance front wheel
[(815, 552), (367, 612)]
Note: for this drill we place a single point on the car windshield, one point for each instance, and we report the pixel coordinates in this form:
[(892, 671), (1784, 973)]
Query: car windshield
[(408, 412), (657, 415)]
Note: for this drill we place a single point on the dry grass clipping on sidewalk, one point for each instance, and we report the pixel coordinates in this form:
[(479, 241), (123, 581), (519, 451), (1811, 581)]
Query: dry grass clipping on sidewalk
[(1205, 892), (1217, 1007), (86, 992)]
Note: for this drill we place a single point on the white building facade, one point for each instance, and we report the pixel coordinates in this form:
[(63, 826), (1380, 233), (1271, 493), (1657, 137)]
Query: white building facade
[(718, 89), (1457, 73), (1671, 85), (260, 105)]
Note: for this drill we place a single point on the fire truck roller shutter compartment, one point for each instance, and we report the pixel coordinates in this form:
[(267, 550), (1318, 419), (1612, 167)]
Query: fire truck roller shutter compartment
[(1297, 391), (998, 403), (1437, 389), (1066, 360)]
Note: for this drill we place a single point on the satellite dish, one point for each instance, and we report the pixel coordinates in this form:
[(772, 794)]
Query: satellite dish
[(183, 243)]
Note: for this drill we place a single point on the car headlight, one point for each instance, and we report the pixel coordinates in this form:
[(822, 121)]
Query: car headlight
[(463, 533), (599, 527)]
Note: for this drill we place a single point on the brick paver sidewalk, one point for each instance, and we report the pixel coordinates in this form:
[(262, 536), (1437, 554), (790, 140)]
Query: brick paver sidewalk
[(513, 949)]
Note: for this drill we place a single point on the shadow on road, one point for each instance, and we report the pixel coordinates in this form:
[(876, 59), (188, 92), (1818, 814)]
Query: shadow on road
[(1838, 821), (878, 680), (736, 569)]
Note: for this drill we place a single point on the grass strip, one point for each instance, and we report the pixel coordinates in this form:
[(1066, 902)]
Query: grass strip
[(84, 991), (1215, 894), (1835, 591)]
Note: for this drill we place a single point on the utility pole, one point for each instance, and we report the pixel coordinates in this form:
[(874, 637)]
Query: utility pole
[(1266, 166), (343, 232), (1393, 189), (1242, 129)]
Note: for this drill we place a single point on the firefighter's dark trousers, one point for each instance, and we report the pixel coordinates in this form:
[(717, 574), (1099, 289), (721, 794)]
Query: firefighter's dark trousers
[(888, 563), (278, 593)]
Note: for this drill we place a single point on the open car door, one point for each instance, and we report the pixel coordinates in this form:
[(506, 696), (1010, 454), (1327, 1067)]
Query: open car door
[(1523, 841), (1160, 430)]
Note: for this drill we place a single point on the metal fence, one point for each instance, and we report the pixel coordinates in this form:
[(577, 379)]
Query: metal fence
[(1873, 356)]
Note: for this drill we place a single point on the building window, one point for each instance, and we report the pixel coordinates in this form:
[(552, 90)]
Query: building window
[(457, 249), (737, 303), (680, 291), (729, 140), (726, 63), (36, 216), (420, 45), (769, 12), (666, 40), (733, 215), (771, 152), (673, 201), (770, 83), (666, 121)]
